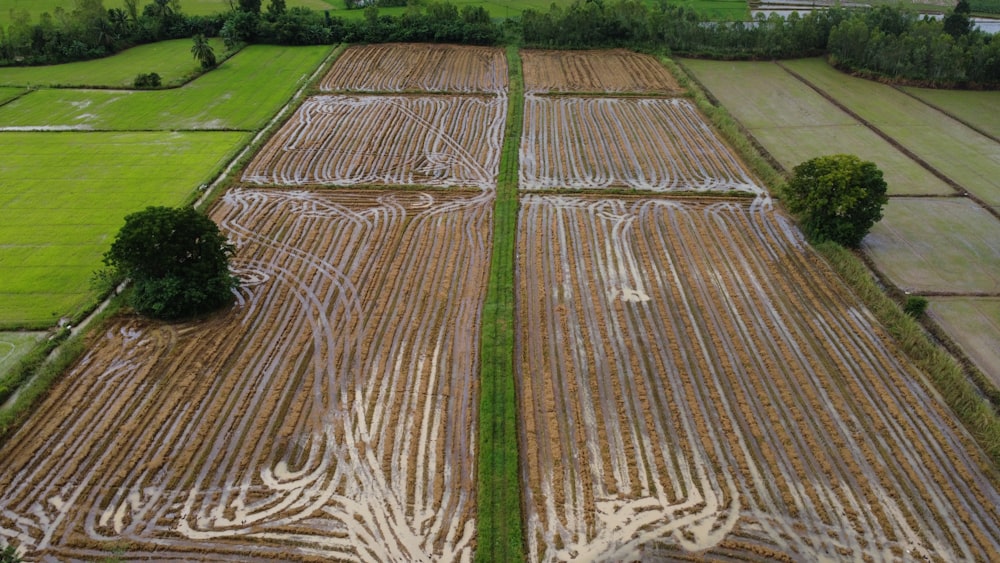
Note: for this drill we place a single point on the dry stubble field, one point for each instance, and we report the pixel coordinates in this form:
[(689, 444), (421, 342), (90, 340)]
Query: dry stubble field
[(693, 382)]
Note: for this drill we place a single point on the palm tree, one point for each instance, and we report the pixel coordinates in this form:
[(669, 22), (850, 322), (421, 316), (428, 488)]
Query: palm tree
[(202, 50)]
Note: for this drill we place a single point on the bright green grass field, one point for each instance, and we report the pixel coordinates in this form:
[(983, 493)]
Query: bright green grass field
[(241, 94), (7, 94), (13, 345), (63, 196), (981, 109), (794, 123), (172, 60), (937, 245), (191, 7), (973, 323), (967, 157)]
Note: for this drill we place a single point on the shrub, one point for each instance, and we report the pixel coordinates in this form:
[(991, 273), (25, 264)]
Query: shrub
[(151, 80), (915, 306), (836, 198)]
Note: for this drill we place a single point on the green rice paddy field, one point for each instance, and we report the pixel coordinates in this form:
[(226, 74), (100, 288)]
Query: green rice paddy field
[(944, 143), (172, 60), (795, 123), (974, 322), (978, 108), (64, 195), (8, 94), (940, 246), (241, 94)]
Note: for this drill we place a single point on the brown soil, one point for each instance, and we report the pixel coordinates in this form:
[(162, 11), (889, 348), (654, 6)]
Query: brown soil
[(614, 71), (422, 67), (329, 414), (696, 381)]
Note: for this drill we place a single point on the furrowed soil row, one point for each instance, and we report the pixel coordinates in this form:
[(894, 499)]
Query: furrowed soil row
[(418, 67), (330, 414), (646, 144), (720, 391), (386, 140), (613, 72)]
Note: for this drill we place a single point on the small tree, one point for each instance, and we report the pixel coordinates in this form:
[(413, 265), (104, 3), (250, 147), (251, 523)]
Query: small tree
[(151, 80), (836, 197), (202, 50), (178, 262)]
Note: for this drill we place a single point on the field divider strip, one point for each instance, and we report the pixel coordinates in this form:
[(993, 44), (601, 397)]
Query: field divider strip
[(499, 513)]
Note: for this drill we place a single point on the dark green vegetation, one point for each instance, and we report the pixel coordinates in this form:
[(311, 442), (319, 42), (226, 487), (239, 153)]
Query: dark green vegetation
[(985, 6), (891, 41), (177, 261), (499, 536), (836, 198)]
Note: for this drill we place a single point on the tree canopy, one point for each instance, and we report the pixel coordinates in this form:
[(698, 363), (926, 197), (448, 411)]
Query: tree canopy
[(178, 262), (837, 197)]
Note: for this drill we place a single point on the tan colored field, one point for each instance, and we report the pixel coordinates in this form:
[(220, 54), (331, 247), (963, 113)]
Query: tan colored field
[(389, 140), (695, 383), (614, 72), (659, 144), (422, 67), (330, 414)]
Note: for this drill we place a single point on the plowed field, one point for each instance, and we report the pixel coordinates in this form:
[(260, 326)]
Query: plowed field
[(330, 414), (617, 71), (388, 140), (418, 67), (693, 379), (648, 144)]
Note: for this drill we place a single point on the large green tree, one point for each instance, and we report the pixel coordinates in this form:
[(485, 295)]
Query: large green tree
[(836, 198), (177, 260)]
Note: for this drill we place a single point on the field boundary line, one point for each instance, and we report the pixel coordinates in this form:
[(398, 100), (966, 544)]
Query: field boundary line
[(961, 190), (499, 518)]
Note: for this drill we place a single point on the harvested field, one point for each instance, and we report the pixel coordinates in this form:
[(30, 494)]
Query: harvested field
[(647, 144), (330, 414), (389, 140), (418, 67), (614, 72), (724, 396)]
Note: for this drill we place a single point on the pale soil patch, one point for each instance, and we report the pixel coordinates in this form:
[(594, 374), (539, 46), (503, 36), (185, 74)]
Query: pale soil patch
[(423, 67), (615, 71), (330, 414), (946, 245), (694, 382), (389, 140)]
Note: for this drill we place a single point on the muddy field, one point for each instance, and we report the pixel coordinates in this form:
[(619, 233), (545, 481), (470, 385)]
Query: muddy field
[(616, 71), (723, 396), (659, 144), (328, 415), (387, 140), (420, 67)]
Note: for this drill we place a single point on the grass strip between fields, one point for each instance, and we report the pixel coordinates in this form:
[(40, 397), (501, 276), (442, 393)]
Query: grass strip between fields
[(500, 536), (951, 381)]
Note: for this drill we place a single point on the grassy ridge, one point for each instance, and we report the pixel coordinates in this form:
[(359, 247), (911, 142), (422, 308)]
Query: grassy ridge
[(500, 537), (172, 60)]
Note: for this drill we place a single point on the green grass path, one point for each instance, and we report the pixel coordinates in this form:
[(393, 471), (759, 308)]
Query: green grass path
[(499, 494)]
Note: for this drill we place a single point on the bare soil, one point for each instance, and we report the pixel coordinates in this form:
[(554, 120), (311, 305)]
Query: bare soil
[(611, 71)]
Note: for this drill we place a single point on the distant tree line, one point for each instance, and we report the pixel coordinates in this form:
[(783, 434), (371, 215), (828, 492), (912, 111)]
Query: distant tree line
[(889, 41)]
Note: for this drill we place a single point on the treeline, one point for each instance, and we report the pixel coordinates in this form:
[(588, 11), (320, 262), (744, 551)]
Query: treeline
[(889, 41)]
